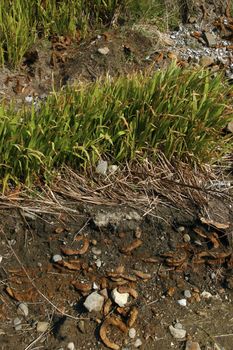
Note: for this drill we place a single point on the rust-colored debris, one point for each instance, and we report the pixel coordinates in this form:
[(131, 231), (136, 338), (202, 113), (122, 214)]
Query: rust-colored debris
[(129, 290), (133, 315), (81, 251), (217, 225), (132, 246), (82, 287), (111, 321)]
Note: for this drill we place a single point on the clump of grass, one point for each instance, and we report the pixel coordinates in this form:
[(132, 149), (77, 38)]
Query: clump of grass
[(180, 113)]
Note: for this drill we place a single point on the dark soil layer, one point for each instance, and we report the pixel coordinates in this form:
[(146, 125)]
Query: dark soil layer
[(171, 267)]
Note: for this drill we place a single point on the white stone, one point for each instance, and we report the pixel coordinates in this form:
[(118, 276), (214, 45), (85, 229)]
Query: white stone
[(23, 309), (42, 326), (102, 167), (57, 257), (71, 346), (103, 50), (206, 295), (120, 299), (98, 263), (177, 333), (138, 343), (94, 302), (182, 302), (0, 258), (132, 333)]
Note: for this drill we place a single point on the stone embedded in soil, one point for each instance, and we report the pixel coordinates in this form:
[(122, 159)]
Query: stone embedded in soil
[(81, 326), (138, 343), (132, 333), (42, 326), (103, 50), (177, 333), (23, 309), (57, 258), (96, 251), (186, 238), (98, 263), (94, 302), (71, 346), (190, 345), (210, 39), (0, 258), (102, 167), (120, 299), (182, 302), (206, 61), (230, 127), (17, 324), (206, 295), (187, 294)]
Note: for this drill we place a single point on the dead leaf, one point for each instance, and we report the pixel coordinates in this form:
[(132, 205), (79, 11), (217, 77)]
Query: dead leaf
[(218, 225), (111, 321), (132, 246), (133, 315)]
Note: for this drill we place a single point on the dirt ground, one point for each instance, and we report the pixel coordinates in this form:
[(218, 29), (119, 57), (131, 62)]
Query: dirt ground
[(160, 258)]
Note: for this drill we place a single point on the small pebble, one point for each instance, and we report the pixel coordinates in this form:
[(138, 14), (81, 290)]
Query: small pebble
[(182, 302), (178, 325), (120, 299), (132, 333), (81, 326), (187, 294), (206, 295), (0, 258), (23, 309), (42, 327), (98, 263), (17, 324), (57, 258), (103, 51), (186, 238), (96, 251), (177, 333), (71, 346), (181, 229), (138, 343), (190, 345)]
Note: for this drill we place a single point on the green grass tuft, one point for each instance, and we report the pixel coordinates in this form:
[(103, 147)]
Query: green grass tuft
[(178, 112)]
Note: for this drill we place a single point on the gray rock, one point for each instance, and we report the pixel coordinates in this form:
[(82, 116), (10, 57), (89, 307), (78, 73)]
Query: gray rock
[(42, 326), (102, 167), (187, 294), (210, 39), (177, 333), (138, 343), (96, 251), (23, 309), (94, 302), (190, 345), (206, 61), (17, 324), (81, 326), (56, 258), (120, 299)]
